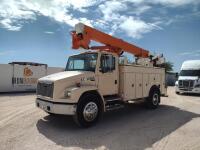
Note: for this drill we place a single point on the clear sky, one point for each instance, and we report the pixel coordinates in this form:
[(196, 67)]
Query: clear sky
[(39, 30)]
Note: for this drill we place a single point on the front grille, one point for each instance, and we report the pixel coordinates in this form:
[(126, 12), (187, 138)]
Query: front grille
[(45, 89), (186, 84)]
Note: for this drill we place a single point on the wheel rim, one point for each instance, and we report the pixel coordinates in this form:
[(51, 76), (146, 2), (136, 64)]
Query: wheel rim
[(155, 99), (90, 111)]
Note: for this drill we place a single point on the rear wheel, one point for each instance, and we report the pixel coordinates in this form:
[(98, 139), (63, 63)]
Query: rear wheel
[(154, 98), (88, 110)]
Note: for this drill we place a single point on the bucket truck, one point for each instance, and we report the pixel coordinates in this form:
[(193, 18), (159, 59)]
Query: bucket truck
[(95, 81)]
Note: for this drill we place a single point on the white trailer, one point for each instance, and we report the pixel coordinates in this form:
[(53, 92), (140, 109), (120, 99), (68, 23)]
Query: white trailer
[(23, 76)]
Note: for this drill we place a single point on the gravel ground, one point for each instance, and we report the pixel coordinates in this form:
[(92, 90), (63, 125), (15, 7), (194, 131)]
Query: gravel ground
[(174, 125)]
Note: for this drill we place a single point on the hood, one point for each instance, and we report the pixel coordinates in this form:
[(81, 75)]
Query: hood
[(67, 79), (188, 77), (63, 75)]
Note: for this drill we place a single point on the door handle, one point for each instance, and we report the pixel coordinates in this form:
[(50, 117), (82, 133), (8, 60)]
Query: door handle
[(115, 81)]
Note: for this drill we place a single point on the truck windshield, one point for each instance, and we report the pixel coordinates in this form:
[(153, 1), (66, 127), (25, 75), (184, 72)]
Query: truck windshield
[(190, 73), (82, 62)]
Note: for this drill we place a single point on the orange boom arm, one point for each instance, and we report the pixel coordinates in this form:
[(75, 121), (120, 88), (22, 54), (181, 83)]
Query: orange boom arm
[(83, 35)]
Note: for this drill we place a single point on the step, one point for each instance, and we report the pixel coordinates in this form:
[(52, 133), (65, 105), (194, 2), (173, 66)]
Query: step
[(112, 98), (114, 107)]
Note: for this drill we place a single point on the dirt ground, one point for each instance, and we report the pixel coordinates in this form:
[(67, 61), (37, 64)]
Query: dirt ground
[(174, 125)]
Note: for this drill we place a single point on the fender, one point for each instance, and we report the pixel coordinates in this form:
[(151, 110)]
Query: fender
[(154, 87), (77, 92)]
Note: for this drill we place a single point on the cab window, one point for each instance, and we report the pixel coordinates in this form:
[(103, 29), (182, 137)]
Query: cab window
[(107, 63), (82, 62)]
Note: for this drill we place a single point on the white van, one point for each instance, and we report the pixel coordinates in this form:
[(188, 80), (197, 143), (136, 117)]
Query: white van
[(189, 77)]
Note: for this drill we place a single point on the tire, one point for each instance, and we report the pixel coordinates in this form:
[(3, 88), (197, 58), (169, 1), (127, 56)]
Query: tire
[(89, 110), (177, 93), (154, 98)]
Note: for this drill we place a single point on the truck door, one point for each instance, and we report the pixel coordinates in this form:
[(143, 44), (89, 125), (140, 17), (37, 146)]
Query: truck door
[(108, 75)]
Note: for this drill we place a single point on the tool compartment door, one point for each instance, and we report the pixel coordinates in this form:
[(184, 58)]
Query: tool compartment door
[(129, 86), (145, 85), (139, 85)]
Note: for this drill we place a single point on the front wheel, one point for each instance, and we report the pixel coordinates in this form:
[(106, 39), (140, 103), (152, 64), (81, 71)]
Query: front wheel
[(154, 99), (88, 110)]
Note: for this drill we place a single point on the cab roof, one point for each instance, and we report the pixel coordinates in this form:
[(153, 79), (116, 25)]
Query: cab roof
[(191, 65), (96, 51)]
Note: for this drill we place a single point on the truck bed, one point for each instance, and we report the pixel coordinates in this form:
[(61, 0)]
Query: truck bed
[(136, 81)]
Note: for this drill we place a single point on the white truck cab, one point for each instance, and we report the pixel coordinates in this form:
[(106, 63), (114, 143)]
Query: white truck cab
[(189, 77), (95, 82)]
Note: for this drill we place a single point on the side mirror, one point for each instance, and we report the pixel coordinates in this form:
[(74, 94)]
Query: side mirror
[(102, 70), (176, 75)]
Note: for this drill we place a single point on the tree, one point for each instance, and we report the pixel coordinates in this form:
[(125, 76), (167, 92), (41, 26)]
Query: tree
[(168, 66)]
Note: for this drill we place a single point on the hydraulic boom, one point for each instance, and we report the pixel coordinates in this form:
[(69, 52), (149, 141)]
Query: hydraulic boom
[(83, 35)]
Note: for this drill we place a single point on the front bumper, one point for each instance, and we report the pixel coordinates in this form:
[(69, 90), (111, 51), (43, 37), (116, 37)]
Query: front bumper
[(56, 107), (194, 90)]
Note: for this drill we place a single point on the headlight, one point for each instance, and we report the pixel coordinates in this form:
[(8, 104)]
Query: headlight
[(176, 83), (67, 93)]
